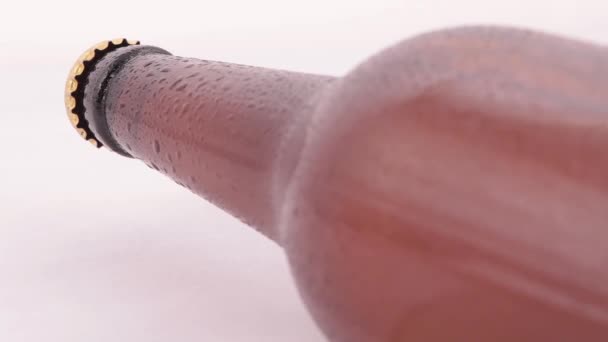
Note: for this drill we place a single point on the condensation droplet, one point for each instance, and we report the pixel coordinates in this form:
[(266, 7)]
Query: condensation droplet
[(175, 84)]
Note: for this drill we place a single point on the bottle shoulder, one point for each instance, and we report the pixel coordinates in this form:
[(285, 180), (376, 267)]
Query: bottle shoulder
[(432, 101)]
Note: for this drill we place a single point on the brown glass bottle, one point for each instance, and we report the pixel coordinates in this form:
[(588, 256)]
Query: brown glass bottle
[(451, 188)]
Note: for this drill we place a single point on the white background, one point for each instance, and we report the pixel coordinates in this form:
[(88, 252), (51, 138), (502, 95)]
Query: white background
[(95, 247)]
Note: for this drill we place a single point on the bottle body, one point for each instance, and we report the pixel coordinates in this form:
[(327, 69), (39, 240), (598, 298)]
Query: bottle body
[(454, 189), (450, 188)]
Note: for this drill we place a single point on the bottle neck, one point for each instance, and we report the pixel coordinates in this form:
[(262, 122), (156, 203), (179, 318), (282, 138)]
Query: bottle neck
[(215, 128)]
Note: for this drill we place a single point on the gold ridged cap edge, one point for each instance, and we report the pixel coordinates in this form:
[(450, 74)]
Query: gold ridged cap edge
[(77, 79)]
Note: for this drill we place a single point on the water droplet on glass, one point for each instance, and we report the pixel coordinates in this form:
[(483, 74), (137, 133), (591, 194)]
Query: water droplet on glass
[(175, 84)]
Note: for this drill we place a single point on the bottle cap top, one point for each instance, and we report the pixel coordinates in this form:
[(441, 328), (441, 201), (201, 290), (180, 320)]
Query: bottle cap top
[(77, 80)]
